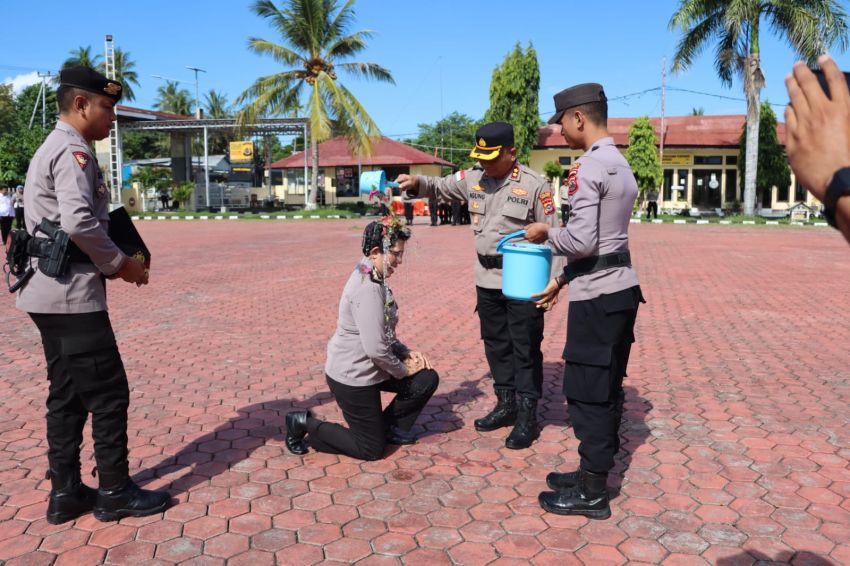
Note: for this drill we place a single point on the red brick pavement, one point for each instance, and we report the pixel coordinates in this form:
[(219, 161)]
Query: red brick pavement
[(736, 442)]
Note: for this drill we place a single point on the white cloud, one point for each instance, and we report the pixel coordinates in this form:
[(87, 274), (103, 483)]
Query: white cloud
[(20, 82)]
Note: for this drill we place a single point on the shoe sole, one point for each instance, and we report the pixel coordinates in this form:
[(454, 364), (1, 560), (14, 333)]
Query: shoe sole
[(57, 519), (522, 446), (111, 516), (599, 514), (492, 428)]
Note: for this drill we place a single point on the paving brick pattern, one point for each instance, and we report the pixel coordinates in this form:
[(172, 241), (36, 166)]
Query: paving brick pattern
[(735, 439)]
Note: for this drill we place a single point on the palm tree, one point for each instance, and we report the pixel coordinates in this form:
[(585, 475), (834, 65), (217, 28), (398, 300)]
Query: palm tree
[(172, 98), (315, 32), (124, 72), (809, 26), (216, 105), (82, 56)]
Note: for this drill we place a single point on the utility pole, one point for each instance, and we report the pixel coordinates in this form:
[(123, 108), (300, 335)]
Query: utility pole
[(197, 91), (661, 137)]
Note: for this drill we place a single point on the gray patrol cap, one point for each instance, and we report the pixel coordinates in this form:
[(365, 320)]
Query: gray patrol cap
[(576, 96)]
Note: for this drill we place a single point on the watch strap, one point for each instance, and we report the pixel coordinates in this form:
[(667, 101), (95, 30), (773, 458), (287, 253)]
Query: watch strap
[(837, 188)]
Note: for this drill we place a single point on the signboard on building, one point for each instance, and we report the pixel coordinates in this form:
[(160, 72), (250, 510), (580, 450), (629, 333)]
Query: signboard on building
[(677, 159), (241, 151)]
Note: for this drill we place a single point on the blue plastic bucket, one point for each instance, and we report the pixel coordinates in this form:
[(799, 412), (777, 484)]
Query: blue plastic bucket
[(374, 181), (525, 267)]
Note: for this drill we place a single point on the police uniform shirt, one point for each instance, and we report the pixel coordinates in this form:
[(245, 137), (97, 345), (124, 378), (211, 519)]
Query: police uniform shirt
[(65, 185), (602, 190), (497, 207)]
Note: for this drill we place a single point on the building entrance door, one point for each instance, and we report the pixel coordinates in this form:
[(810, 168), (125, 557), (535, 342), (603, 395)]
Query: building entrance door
[(706, 188)]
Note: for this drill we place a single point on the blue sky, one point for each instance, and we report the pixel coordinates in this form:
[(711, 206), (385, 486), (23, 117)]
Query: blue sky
[(441, 52)]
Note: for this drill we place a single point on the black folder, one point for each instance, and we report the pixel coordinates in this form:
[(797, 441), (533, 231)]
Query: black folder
[(126, 237)]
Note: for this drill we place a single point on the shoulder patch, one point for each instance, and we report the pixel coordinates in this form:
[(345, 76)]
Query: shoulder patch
[(519, 191), (460, 175), (572, 179), (82, 159), (548, 205)]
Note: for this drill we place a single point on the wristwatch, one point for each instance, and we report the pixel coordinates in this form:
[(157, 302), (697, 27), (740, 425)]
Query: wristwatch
[(838, 187)]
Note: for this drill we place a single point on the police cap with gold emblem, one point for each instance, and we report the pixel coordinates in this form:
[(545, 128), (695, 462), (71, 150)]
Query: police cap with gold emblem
[(576, 96), (86, 78), (490, 139)]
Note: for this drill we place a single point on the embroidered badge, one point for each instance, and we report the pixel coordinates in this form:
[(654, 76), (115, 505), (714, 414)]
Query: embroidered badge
[(520, 192), (548, 204), (460, 175), (477, 188), (82, 159), (482, 142), (112, 89), (101, 190), (474, 205), (515, 174), (572, 179)]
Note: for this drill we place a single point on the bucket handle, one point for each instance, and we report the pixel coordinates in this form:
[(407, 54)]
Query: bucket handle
[(510, 236)]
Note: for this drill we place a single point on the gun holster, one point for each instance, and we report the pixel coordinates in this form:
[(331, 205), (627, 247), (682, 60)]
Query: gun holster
[(54, 254)]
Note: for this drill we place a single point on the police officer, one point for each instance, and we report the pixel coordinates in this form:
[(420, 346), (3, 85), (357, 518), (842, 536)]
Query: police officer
[(503, 196), (604, 297), (65, 185)]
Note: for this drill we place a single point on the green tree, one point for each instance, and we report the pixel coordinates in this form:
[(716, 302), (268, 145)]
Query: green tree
[(82, 56), (144, 145), (18, 142), (315, 43), (171, 98), (124, 73), (809, 26), (29, 99), (642, 155), (182, 194), (217, 107), (157, 178), (452, 137), (514, 90), (553, 170), (773, 169), (697, 111)]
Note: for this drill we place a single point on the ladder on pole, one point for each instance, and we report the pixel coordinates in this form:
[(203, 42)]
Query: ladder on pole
[(115, 164)]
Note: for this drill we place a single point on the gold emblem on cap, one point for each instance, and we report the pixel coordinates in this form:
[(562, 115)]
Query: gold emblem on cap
[(112, 89), (482, 142)]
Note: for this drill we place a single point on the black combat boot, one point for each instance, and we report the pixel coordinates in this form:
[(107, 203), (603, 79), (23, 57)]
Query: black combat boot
[(296, 430), (69, 496), (526, 429), (504, 414), (120, 497), (562, 482), (589, 497)]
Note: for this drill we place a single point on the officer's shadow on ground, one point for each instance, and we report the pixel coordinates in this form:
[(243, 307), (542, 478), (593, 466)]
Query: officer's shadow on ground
[(229, 444)]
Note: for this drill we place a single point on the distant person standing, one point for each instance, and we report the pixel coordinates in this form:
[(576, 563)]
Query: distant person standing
[(18, 205), (7, 214), (651, 203), (565, 203), (408, 212), (432, 209)]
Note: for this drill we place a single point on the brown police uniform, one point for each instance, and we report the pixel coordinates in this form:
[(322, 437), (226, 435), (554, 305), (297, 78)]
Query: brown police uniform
[(512, 330), (604, 298), (65, 186)]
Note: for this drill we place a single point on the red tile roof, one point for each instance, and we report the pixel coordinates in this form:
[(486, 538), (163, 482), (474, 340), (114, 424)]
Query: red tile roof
[(682, 131), (128, 111), (334, 153)]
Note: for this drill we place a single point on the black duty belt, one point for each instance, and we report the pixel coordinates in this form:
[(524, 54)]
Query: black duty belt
[(596, 263), (490, 261)]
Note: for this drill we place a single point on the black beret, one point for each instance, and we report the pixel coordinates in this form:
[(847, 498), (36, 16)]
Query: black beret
[(491, 138), (86, 78), (576, 96)]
